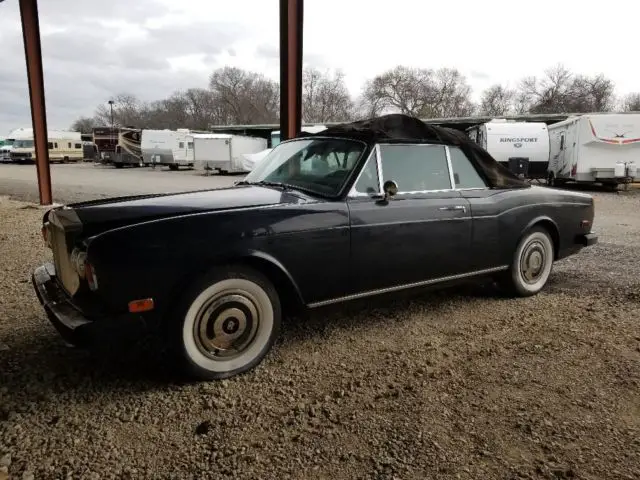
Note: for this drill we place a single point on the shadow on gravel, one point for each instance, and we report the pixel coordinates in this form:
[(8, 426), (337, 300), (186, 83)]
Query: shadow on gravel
[(38, 361)]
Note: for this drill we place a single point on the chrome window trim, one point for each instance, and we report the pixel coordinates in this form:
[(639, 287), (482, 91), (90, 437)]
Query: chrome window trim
[(353, 193), (405, 286)]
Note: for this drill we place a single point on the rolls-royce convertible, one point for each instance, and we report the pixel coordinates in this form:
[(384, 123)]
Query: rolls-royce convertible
[(357, 210)]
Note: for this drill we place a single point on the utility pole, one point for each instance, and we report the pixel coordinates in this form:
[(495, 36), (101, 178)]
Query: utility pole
[(291, 20)]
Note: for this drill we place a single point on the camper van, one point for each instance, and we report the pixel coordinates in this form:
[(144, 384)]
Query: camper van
[(223, 152), (522, 147), (595, 148), (128, 151), (64, 146)]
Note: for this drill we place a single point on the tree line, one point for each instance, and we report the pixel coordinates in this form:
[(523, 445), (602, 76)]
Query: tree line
[(237, 96)]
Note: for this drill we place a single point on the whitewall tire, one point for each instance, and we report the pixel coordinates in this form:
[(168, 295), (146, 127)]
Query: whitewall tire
[(531, 265), (227, 323)]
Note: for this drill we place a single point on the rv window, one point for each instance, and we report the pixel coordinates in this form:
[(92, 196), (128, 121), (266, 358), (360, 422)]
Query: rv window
[(50, 145), (69, 145), (78, 145), (562, 141), (190, 145), (55, 144), (464, 173), (181, 145), (415, 168)]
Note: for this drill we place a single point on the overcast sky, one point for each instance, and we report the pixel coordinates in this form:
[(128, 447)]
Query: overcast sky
[(92, 50)]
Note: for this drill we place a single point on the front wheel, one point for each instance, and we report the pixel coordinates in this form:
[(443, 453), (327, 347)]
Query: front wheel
[(227, 323), (531, 264)]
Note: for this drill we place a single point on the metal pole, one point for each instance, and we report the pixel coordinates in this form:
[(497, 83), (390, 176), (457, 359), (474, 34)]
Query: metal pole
[(291, 22), (33, 56)]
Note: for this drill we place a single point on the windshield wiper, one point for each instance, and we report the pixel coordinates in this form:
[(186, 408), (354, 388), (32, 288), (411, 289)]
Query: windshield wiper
[(266, 183)]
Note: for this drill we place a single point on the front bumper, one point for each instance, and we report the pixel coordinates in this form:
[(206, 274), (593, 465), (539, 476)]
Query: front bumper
[(72, 324)]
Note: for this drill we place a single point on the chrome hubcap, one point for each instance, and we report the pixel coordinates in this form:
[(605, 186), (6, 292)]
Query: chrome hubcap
[(532, 261), (226, 325)]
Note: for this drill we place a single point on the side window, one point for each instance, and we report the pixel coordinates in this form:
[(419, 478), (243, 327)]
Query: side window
[(55, 144), (562, 141), (416, 168), (189, 145), (50, 145), (464, 173), (78, 145), (181, 145), (69, 145), (368, 181)]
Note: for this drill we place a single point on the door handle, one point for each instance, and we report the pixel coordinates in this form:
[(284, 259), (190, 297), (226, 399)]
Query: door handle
[(454, 207)]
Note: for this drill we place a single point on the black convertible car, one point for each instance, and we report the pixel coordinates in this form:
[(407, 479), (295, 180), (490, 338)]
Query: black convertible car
[(360, 209)]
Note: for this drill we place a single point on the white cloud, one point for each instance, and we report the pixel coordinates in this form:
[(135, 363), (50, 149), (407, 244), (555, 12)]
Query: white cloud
[(150, 48)]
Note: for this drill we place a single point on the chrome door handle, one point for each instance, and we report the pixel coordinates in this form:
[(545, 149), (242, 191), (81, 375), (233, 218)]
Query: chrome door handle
[(455, 207)]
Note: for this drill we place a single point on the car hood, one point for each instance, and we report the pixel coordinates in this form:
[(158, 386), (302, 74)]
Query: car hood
[(104, 214)]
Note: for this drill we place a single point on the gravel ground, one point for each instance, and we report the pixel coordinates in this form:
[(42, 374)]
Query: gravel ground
[(87, 181), (456, 384)]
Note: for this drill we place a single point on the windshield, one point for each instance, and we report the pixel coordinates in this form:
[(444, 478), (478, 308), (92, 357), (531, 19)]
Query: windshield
[(319, 165), (23, 144)]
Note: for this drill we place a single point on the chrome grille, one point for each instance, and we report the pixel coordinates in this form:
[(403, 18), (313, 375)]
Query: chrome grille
[(65, 272)]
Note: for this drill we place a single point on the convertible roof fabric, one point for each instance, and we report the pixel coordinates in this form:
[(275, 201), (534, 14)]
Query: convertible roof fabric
[(404, 127)]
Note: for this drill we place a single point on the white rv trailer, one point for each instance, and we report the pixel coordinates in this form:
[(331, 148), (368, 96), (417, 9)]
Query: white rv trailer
[(223, 152), (522, 147), (168, 147), (595, 148)]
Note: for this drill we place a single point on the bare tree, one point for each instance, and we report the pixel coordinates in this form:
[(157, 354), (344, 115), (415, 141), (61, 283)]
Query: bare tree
[(451, 95), (591, 94), (325, 98), (126, 111), (498, 100), (83, 125), (631, 102), (244, 97), (559, 91), (401, 89), (549, 94)]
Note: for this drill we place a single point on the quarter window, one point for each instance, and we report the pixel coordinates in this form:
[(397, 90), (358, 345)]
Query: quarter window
[(368, 181), (416, 168), (464, 173)]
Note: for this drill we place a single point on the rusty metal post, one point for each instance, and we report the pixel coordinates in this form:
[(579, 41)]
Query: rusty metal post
[(291, 20), (33, 56)]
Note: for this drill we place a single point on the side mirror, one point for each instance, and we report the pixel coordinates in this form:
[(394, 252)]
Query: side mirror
[(390, 188)]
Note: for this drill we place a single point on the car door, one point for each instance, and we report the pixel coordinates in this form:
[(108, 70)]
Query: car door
[(421, 234), (486, 205)]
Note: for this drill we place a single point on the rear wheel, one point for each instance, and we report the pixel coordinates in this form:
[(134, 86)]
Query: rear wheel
[(531, 265), (227, 323)]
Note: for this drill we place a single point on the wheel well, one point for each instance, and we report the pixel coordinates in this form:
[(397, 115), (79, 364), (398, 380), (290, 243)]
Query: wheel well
[(551, 228), (289, 295)]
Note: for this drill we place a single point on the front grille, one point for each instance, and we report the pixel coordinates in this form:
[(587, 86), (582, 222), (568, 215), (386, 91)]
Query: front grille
[(67, 276)]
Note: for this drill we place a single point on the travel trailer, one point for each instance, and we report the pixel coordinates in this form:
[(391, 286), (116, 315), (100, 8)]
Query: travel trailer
[(223, 152), (595, 148), (128, 150), (522, 147), (106, 139), (168, 147), (64, 146)]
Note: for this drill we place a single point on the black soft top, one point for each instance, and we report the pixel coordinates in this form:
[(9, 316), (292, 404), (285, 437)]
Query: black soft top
[(399, 127)]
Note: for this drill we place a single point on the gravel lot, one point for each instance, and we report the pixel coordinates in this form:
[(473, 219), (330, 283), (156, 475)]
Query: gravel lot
[(456, 384)]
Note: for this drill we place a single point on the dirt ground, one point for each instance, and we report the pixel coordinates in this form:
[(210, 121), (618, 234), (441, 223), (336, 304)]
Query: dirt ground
[(457, 384)]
